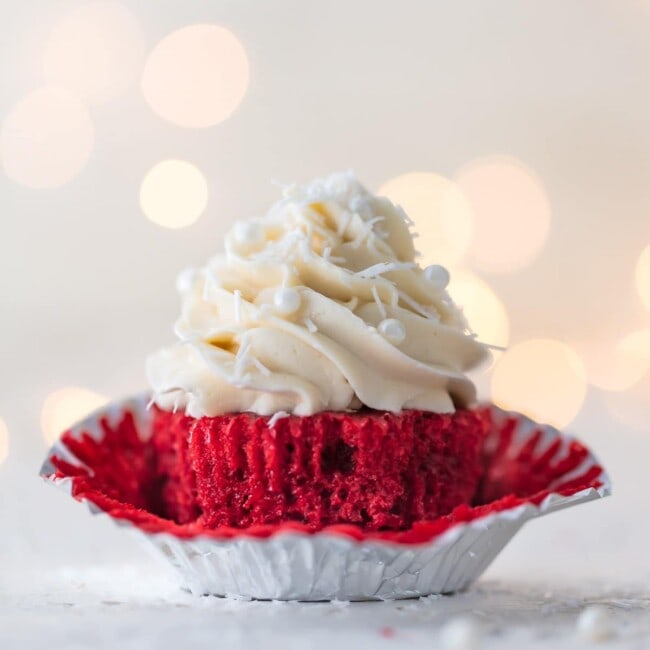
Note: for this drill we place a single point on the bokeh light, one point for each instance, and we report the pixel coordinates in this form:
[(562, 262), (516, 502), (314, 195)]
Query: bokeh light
[(441, 213), (618, 365), (484, 310), (174, 194), (196, 76), (511, 213), (643, 277), (4, 441), (542, 378), (96, 51), (46, 138), (65, 407)]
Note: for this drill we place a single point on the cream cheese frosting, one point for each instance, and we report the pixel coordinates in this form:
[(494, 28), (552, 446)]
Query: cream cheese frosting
[(319, 305)]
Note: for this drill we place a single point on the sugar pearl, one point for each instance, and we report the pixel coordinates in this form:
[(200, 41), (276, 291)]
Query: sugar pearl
[(248, 232), (286, 300), (594, 624), (437, 275), (392, 330), (461, 633)]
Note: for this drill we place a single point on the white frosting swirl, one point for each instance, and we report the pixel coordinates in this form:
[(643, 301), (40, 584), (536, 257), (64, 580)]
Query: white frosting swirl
[(317, 306)]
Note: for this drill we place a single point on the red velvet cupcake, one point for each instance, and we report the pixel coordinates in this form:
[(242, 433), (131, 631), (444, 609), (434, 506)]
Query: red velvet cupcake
[(320, 375)]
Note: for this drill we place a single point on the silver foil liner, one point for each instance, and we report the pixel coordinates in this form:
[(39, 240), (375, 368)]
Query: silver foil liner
[(292, 565)]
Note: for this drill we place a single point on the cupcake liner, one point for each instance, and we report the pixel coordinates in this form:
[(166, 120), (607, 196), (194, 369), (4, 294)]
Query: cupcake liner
[(530, 470)]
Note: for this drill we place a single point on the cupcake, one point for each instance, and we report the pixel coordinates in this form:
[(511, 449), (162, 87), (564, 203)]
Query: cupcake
[(319, 375), (313, 434)]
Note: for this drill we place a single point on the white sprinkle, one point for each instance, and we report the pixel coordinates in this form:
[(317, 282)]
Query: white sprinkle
[(150, 403), (461, 633), (311, 326), (286, 300), (594, 624), (275, 417), (384, 267), (261, 367), (392, 330), (380, 304), (437, 275), (237, 306)]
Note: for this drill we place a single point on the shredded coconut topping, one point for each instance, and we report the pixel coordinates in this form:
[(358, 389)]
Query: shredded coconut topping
[(384, 267), (275, 417), (280, 321)]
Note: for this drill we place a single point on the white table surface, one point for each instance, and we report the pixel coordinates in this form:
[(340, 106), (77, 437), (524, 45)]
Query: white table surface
[(126, 607)]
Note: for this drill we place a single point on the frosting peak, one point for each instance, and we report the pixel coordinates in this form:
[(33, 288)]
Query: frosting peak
[(319, 305)]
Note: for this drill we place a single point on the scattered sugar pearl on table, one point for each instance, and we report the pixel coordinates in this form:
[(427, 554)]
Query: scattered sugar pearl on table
[(392, 330), (594, 624), (461, 633), (437, 275), (286, 300)]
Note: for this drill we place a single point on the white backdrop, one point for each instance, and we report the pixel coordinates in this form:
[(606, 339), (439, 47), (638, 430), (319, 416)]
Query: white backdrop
[(385, 88)]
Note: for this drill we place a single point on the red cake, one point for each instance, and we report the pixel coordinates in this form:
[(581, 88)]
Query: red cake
[(376, 469)]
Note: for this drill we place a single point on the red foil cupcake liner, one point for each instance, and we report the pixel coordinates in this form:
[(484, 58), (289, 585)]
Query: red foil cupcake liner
[(530, 470)]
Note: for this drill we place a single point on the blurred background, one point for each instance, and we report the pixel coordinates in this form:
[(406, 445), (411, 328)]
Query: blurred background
[(516, 135)]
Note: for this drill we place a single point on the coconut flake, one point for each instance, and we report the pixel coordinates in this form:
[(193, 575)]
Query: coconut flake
[(275, 417), (416, 306), (380, 304), (261, 367), (384, 267), (242, 359), (237, 294), (310, 325)]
